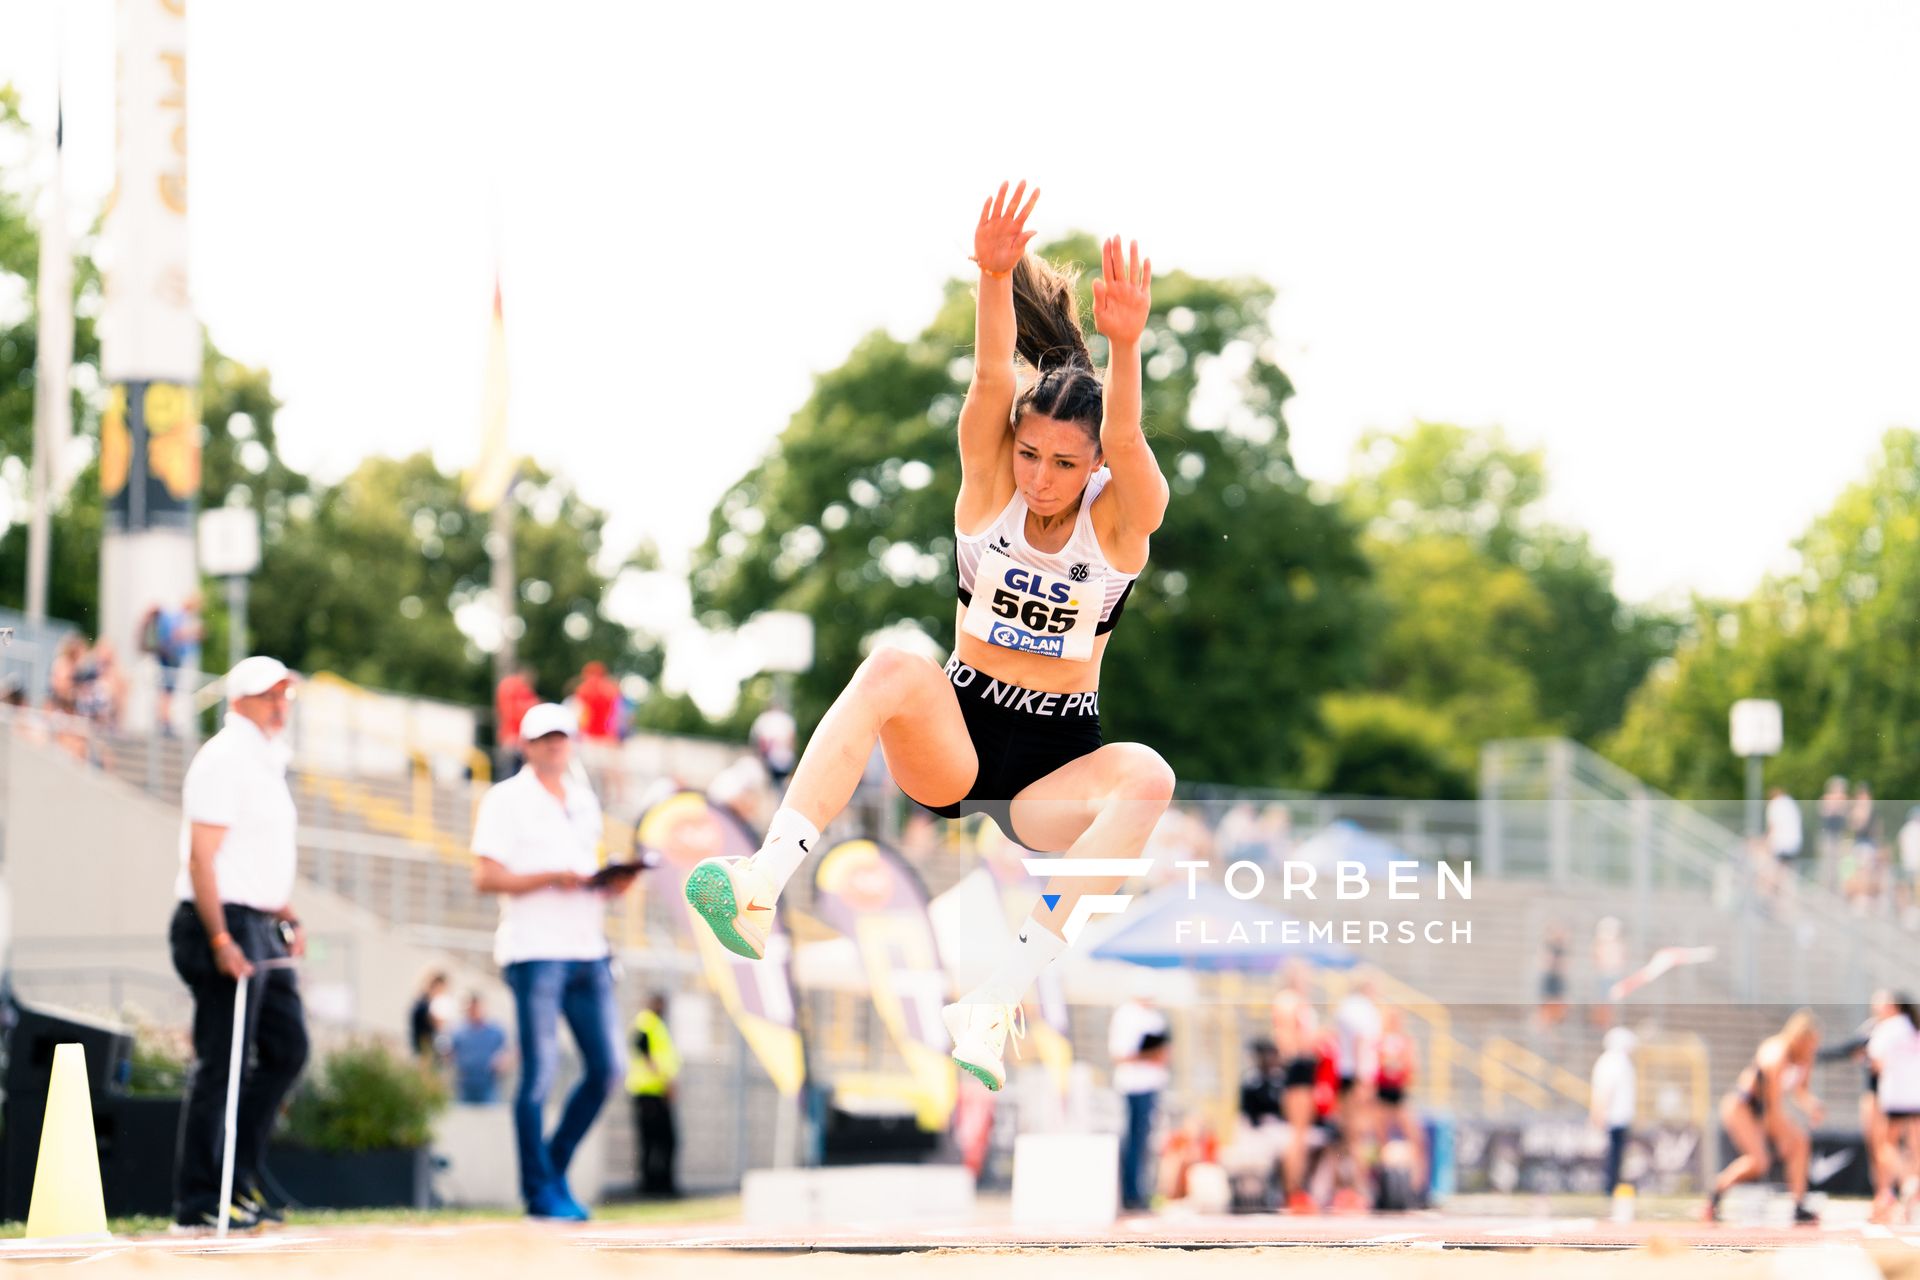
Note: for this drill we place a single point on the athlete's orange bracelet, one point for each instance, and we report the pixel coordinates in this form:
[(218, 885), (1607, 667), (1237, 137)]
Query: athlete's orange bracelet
[(221, 939), (989, 272)]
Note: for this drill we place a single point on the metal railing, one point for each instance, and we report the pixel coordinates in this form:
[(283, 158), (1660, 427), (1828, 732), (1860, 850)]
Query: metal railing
[(1555, 811)]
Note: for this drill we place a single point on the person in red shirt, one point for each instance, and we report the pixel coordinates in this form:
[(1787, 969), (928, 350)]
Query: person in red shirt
[(599, 699), (511, 701)]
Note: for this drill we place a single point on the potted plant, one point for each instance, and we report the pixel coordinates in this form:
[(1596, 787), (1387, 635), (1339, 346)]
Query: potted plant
[(138, 1124), (356, 1133)]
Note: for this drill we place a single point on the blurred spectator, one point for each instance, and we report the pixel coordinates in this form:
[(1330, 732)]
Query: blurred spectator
[(536, 844), (1611, 1106), (1861, 870), (1190, 1142), (479, 1052), (1261, 1087), (1907, 844), (1398, 1069), (1609, 966), (424, 1021), (599, 701), (1137, 1040), (1784, 837), (172, 637), (1254, 1156), (68, 682), (596, 697), (651, 1072), (1296, 1035), (775, 737), (1553, 978), (1357, 1026), (104, 698), (1357, 1023), (1833, 830), (1894, 1051), (511, 702)]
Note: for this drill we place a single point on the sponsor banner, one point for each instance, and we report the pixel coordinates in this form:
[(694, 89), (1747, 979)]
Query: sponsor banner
[(868, 892), (757, 994), (150, 456), (1550, 1156)]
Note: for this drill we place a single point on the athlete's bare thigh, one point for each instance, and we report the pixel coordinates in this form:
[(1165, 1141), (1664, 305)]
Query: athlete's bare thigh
[(925, 740)]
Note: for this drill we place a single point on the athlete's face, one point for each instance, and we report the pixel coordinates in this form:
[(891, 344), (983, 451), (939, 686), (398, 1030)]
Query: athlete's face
[(1051, 462)]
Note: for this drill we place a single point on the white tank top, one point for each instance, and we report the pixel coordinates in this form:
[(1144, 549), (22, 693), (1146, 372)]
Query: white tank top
[(1080, 559)]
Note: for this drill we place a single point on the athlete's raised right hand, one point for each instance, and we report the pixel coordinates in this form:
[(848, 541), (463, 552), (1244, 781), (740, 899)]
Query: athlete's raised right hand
[(1001, 238)]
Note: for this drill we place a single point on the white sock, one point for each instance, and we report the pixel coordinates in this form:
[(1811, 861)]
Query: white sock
[(790, 840), (1033, 950)]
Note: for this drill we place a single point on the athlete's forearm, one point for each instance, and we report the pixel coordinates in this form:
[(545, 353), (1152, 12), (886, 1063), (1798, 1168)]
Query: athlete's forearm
[(1120, 421), (993, 331)]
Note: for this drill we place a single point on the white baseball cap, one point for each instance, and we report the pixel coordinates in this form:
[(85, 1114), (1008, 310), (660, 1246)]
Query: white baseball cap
[(256, 675), (546, 718)]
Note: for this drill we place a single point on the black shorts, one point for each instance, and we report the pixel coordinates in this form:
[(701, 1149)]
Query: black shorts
[(1391, 1094), (1019, 736), (1301, 1073)]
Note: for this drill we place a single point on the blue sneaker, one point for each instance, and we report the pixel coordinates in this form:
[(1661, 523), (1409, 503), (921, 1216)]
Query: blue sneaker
[(558, 1206)]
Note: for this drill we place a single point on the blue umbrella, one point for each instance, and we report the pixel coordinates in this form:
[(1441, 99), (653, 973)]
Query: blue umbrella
[(1213, 930)]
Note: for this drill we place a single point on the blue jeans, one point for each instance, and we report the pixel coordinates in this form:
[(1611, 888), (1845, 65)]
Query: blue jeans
[(543, 990), (1134, 1148), (1616, 1156)]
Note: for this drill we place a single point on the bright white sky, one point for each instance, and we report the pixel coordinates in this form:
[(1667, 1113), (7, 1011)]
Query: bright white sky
[(1676, 245)]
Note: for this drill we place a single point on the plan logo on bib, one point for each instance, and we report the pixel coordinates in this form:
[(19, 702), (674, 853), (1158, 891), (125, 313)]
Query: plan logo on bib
[(1091, 904)]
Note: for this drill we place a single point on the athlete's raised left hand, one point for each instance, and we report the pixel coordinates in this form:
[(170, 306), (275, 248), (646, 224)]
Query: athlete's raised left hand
[(1123, 295)]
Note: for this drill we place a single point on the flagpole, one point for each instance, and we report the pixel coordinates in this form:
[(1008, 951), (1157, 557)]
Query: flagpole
[(39, 526), (53, 358), (504, 584)]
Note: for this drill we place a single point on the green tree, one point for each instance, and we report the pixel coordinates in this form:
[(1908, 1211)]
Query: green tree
[(1832, 641), (1250, 607), (1456, 627), (1582, 648), (372, 578), (1377, 744)]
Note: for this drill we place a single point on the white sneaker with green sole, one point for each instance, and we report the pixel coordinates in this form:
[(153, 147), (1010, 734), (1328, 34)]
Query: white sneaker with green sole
[(979, 1034), (736, 902)]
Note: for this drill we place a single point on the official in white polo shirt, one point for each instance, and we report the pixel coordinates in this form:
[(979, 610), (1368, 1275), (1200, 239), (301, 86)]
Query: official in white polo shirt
[(235, 891), (536, 844)]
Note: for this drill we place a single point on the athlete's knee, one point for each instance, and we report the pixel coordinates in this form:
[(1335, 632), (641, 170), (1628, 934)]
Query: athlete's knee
[(1144, 777), (891, 673)]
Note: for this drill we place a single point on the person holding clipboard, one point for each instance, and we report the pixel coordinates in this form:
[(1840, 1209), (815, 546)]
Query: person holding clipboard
[(536, 844)]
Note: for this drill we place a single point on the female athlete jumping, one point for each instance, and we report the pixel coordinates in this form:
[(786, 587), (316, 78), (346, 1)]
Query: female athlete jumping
[(1059, 493), (1755, 1116)]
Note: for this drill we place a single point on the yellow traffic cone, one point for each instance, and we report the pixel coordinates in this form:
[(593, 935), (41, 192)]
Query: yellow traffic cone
[(68, 1203)]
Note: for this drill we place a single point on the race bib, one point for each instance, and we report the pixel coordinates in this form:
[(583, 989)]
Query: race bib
[(1030, 610)]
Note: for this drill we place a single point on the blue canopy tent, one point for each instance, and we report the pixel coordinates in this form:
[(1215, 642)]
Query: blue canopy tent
[(1214, 931)]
